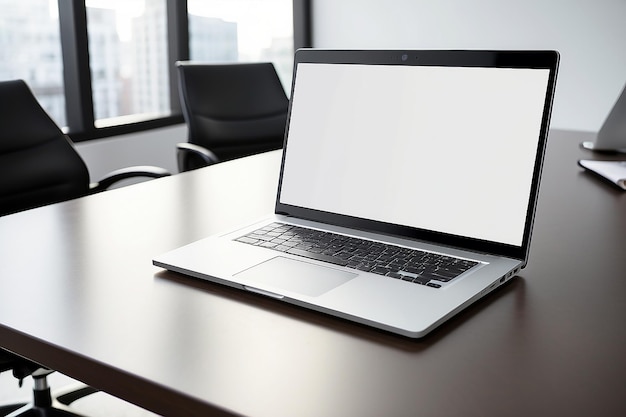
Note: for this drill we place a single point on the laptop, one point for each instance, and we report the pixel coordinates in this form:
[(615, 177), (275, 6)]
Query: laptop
[(407, 187), (612, 135)]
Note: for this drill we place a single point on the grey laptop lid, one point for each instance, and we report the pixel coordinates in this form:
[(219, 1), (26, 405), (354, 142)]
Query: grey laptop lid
[(441, 146)]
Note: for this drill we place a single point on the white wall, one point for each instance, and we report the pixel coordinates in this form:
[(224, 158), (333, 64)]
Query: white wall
[(589, 34), (153, 147)]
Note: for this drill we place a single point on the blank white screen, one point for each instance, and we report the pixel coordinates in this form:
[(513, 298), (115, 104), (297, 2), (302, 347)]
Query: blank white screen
[(445, 149)]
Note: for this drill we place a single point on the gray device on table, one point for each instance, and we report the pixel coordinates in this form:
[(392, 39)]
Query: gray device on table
[(612, 135), (407, 189)]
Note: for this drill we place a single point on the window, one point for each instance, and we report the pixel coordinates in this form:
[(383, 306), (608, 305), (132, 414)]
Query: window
[(30, 49), (104, 67), (128, 59), (243, 30)]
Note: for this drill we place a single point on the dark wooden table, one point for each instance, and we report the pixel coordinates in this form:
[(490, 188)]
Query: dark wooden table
[(79, 294)]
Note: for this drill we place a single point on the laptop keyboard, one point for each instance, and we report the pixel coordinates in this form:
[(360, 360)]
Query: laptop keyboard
[(420, 267)]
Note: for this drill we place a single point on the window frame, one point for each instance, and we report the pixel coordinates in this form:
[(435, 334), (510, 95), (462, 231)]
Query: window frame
[(77, 73)]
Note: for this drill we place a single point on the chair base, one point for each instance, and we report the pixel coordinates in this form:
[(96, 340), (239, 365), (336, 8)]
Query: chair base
[(43, 405), (55, 409)]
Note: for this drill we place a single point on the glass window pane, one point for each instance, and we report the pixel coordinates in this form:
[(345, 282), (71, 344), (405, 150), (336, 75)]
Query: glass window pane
[(30, 49), (243, 30), (128, 59)]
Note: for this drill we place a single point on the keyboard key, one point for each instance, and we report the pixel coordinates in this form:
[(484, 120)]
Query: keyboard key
[(248, 240), (317, 256), (380, 270)]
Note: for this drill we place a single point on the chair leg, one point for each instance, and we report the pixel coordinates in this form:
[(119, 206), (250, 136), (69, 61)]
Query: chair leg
[(76, 393), (9, 408)]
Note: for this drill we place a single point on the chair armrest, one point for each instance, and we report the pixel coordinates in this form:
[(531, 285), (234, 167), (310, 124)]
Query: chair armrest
[(191, 156), (126, 173)]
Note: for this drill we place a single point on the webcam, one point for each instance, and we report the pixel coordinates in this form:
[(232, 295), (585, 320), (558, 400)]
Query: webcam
[(405, 57)]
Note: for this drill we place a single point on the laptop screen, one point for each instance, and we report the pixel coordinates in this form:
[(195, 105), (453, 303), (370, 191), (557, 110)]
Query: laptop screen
[(446, 149)]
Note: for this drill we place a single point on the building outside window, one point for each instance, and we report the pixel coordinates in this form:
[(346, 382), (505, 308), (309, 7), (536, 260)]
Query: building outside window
[(127, 43), (243, 31), (30, 49), (128, 60)]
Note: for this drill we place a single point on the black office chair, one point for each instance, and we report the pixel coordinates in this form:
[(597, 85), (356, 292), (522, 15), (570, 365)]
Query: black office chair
[(231, 110), (39, 166), (38, 163)]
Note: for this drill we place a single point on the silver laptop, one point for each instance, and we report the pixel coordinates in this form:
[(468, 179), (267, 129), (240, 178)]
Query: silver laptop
[(407, 189), (612, 135)]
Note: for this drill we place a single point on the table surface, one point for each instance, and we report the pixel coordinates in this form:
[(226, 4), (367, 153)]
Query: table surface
[(80, 295)]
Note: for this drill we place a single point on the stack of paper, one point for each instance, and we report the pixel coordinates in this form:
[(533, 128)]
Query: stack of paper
[(614, 171)]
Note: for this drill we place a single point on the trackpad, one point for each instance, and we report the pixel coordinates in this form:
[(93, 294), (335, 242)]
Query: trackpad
[(296, 276)]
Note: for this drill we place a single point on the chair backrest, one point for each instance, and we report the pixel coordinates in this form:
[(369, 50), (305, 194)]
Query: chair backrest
[(38, 164), (234, 109)]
